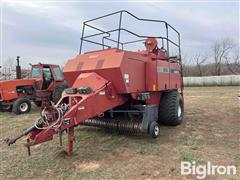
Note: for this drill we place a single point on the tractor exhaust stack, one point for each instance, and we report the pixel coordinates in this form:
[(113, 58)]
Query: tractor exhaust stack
[(18, 69)]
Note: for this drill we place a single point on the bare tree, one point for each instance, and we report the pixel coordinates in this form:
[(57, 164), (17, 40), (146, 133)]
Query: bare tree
[(221, 51), (234, 65), (199, 60), (185, 63), (9, 62), (7, 69)]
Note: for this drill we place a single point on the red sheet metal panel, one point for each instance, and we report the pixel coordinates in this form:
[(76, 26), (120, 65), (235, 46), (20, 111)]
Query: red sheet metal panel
[(133, 74), (175, 76), (163, 75), (151, 76), (125, 69), (105, 63), (8, 87), (129, 72)]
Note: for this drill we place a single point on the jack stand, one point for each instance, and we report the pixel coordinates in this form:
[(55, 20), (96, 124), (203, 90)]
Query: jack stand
[(71, 138), (28, 148)]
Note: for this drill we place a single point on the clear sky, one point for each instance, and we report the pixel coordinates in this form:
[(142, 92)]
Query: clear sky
[(49, 32)]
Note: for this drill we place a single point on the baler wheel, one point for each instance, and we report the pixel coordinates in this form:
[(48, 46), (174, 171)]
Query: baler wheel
[(21, 106), (57, 93), (171, 109), (154, 130)]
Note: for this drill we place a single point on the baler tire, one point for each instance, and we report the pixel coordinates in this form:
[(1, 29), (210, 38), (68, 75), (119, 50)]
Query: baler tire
[(154, 130), (57, 93), (18, 106), (171, 109)]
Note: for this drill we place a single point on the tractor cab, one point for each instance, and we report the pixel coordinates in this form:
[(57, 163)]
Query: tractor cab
[(46, 76), (45, 84)]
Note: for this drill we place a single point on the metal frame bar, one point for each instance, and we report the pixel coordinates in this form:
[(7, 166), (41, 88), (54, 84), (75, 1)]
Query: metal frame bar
[(130, 32), (168, 26)]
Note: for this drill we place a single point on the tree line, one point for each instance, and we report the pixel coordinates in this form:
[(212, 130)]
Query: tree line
[(222, 59)]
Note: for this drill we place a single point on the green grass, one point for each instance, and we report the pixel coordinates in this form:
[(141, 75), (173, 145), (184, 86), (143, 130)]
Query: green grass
[(148, 146), (191, 142), (210, 132), (191, 157), (99, 174)]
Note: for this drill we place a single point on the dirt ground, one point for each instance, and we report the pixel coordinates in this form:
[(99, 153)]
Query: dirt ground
[(210, 132)]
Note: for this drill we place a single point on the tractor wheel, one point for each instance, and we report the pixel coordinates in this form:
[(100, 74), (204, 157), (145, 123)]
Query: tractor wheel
[(21, 106), (171, 109), (154, 129), (57, 93)]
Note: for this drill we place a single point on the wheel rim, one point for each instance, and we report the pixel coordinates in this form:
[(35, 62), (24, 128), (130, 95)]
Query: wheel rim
[(179, 111), (24, 107), (156, 130)]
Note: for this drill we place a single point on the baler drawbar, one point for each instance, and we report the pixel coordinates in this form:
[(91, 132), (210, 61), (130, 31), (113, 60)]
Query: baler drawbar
[(117, 89)]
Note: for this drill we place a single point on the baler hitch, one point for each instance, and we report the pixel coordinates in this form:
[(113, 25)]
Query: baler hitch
[(9, 141), (48, 120)]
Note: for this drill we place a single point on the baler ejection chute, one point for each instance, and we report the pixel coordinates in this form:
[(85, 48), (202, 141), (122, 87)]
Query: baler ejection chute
[(115, 88)]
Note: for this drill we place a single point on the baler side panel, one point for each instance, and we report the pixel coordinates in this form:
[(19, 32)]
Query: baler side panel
[(175, 76), (133, 74), (71, 71), (151, 76), (163, 75), (125, 69), (105, 63)]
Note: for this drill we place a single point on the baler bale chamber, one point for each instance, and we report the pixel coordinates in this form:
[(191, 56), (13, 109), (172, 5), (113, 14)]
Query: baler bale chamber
[(114, 88)]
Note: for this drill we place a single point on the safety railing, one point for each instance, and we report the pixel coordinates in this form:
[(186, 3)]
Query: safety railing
[(121, 29)]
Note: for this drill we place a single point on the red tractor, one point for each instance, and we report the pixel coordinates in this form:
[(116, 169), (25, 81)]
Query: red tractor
[(45, 83), (115, 88)]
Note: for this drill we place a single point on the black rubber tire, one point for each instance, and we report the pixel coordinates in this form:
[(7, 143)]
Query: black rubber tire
[(169, 109), (18, 103), (154, 130), (57, 93)]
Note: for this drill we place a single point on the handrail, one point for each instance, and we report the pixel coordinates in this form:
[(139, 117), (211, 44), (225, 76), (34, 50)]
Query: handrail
[(119, 29), (130, 32)]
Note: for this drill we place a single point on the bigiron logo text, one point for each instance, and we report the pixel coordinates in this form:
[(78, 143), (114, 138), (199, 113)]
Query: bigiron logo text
[(209, 169)]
